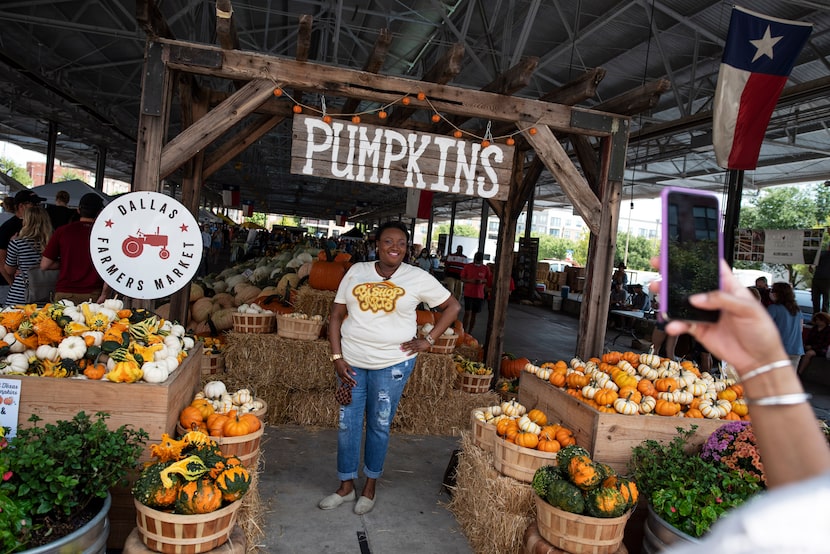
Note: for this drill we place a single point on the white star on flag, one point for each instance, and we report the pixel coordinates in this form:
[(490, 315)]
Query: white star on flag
[(763, 46)]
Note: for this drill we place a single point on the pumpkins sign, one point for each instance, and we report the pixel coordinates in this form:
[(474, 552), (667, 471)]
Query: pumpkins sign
[(386, 156), (146, 245)]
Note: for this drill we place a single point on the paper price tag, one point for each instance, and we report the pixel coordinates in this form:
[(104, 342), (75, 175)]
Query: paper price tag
[(9, 404)]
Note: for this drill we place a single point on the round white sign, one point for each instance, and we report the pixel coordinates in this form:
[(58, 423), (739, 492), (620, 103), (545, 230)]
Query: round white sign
[(146, 245)]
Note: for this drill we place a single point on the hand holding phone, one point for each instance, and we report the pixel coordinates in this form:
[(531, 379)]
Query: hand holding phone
[(690, 252)]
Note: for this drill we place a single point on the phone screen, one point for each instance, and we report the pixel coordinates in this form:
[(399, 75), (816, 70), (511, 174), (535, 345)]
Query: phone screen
[(691, 250)]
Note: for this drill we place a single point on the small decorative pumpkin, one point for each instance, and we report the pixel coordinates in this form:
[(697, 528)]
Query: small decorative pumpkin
[(233, 482), (200, 496), (527, 439), (583, 473)]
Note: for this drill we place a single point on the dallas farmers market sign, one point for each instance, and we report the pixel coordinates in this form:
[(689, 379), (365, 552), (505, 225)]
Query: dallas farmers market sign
[(384, 156), (146, 245)]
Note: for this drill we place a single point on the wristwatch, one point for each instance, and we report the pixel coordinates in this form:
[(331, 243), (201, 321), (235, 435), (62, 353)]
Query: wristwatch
[(335, 357), (429, 339)]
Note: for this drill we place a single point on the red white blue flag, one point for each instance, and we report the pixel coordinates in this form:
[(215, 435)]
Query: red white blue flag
[(759, 55), (419, 203), (340, 217), (230, 195), (248, 208)]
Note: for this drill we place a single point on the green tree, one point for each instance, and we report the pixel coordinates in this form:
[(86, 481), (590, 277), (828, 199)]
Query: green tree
[(70, 175), (16, 172), (458, 231), (640, 251), (555, 248), (786, 208)]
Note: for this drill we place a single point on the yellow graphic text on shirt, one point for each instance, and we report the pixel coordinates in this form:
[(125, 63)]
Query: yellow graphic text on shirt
[(377, 297)]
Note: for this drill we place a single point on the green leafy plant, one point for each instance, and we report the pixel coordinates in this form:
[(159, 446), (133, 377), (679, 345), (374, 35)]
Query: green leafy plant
[(54, 472), (685, 490)]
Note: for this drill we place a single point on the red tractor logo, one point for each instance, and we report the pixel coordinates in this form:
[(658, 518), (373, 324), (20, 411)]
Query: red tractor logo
[(133, 246)]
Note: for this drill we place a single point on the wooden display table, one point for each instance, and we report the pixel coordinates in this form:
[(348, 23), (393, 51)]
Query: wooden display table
[(608, 437)]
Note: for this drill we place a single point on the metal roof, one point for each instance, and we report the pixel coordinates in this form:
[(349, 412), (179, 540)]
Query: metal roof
[(78, 63)]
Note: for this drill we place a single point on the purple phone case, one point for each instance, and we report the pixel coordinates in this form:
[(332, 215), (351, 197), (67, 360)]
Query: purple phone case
[(664, 246)]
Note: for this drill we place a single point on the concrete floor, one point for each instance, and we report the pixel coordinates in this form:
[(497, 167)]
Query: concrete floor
[(409, 515)]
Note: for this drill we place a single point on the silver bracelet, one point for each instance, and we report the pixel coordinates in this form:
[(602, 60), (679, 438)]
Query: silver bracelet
[(766, 368), (429, 339), (782, 400)]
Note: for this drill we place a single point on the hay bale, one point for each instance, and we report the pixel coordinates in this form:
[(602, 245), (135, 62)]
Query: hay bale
[(313, 409), (474, 353), (314, 302), (251, 515), (493, 510), (433, 376)]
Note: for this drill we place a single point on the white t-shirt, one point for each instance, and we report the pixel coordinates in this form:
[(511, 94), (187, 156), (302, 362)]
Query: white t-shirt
[(382, 313)]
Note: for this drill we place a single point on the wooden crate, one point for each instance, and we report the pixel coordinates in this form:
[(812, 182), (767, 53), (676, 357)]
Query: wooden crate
[(152, 407), (609, 437)]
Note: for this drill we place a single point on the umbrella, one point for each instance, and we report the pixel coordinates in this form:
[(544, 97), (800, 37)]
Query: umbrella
[(252, 225)]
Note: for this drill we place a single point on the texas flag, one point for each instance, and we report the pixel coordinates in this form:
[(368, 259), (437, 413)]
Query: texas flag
[(419, 203), (340, 217), (230, 195), (758, 57), (248, 208)]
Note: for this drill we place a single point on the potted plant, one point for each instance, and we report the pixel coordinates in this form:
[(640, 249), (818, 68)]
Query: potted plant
[(57, 477), (685, 490)]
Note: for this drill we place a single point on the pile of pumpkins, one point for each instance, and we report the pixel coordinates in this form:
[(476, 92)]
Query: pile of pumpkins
[(645, 384), (525, 428), (267, 282), (218, 412)]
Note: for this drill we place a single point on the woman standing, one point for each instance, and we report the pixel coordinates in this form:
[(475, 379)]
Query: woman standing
[(25, 251), (787, 317), (817, 340), (424, 261), (373, 352)]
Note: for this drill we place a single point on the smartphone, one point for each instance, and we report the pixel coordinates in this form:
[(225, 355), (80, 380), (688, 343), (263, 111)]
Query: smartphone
[(690, 252)]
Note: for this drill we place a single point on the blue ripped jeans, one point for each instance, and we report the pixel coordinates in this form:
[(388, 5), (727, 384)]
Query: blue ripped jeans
[(376, 395)]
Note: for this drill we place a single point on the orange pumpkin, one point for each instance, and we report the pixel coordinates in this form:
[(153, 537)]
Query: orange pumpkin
[(693, 412), (510, 368), (666, 384), (631, 393), (95, 371), (548, 432), (191, 418), (204, 406), (646, 387), (612, 357), (565, 437), (538, 417), (527, 440), (605, 397), (666, 407), (557, 379), (326, 275), (425, 316), (546, 445)]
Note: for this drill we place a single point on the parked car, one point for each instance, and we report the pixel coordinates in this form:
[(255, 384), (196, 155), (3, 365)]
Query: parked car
[(557, 265), (804, 298)]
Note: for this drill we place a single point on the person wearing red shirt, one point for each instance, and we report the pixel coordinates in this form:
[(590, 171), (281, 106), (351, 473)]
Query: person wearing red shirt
[(68, 250), (475, 277)]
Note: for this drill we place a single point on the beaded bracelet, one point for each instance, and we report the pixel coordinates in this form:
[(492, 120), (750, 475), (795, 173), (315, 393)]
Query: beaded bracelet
[(782, 400), (765, 369)]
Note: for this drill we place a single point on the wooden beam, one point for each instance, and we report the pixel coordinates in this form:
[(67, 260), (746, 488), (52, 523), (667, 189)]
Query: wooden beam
[(226, 25), (587, 156), (239, 142), (531, 177), (512, 80), (560, 166), (595, 298), (202, 133), (154, 114), (636, 100), (442, 73), (194, 106), (577, 90), (373, 64), (209, 60), (304, 37), (151, 20)]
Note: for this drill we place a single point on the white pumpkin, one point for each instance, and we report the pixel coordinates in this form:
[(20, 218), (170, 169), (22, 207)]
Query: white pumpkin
[(241, 397), (47, 352), (155, 372), (215, 389)]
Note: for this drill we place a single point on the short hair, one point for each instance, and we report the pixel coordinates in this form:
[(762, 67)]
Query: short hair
[(393, 225), (90, 205), (762, 279), (479, 257), (62, 196)]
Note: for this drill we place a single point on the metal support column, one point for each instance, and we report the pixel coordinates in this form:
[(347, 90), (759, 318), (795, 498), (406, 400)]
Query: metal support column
[(734, 191), (100, 168), (51, 146)]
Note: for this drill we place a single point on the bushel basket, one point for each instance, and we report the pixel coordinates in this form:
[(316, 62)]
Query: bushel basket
[(474, 384), (578, 533), (253, 323), (185, 534), (298, 328)]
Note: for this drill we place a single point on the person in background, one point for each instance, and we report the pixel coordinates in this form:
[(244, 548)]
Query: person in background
[(792, 515), (217, 241), (640, 300), (23, 200), (206, 242), (755, 292), (620, 277), (423, 261), (816, 341), (373, 352), (820, 288), (60, 213), (659, 337), (25, 252), (475, 277), (453, 266), (787, 317), (491, 282), (68, 250), (8, 204), (763, 290)]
